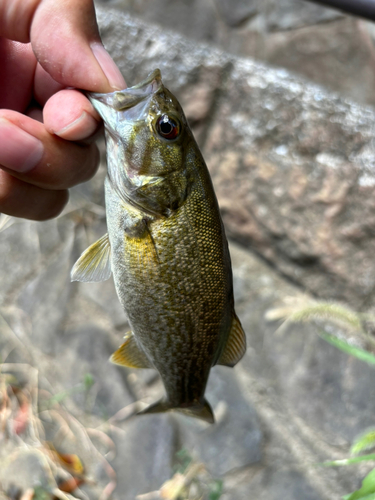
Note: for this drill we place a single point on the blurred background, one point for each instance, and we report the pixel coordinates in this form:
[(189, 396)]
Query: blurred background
[(279, 95), (319, 43)]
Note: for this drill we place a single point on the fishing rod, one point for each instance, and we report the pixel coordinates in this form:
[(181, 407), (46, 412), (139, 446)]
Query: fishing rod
[(361, 8)]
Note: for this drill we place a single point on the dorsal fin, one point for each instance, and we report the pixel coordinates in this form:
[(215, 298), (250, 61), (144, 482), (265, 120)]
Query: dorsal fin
[(95, 262), (129, 354), (235, 347)]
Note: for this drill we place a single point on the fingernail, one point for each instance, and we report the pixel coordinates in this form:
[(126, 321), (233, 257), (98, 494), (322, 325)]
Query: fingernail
[(19, 150), (111, 71), (81, 128)]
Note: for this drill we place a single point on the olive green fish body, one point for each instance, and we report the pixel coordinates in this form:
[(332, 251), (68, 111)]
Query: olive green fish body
[(174, 281), (168, 251)]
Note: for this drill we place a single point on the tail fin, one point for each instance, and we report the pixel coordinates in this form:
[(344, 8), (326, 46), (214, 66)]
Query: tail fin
[(203, 411)]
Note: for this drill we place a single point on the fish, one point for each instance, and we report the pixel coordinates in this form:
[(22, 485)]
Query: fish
[(166, 247)]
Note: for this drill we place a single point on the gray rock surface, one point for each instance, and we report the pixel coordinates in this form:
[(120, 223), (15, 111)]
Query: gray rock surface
[(145, 455), (316, 42), (273, 484), (33, 471), (236, 439), (20, 253), (93, 347), (236, 12), (294, 14)]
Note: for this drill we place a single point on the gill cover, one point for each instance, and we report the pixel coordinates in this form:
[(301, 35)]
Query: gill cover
[(147, 141)]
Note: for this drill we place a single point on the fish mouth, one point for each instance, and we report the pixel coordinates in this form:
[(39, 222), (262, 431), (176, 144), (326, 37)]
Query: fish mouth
[(121, 100)]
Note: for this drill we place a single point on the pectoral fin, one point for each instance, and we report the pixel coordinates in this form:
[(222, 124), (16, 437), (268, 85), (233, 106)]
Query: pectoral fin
[(95, 262), (236, 344), (130, 355)]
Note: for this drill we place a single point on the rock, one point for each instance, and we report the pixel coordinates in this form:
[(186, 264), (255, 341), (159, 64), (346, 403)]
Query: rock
[(86, 350), (51, 234), (235, 440), (20, 256), (324, 54), (309, 39), (303, 389), (236, 12), (305, 182), (198, 97), (33, 467), (292, 14), (43, 300), (104, 294), (145, 455), (272, 485), (320, 382), (195, 18)]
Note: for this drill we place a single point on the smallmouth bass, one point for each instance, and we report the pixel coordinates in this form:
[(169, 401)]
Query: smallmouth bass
[(165, 246)]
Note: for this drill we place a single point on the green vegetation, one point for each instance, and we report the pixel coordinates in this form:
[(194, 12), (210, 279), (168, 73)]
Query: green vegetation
[(356, 339)]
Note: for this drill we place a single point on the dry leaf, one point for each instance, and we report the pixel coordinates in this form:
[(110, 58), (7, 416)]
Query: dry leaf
[(173, 488), (69, 485)]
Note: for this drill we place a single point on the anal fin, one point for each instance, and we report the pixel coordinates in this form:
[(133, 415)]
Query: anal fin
[(235, 347), (130, 355), (95, 262)]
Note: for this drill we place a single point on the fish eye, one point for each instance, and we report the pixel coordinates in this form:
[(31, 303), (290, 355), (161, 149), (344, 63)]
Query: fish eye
[(167, 127)]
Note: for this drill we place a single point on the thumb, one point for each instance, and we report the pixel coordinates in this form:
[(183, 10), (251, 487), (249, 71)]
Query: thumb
[(65, 39)]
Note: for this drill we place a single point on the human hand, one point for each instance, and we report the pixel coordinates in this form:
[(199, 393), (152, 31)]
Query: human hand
[(46, 48)]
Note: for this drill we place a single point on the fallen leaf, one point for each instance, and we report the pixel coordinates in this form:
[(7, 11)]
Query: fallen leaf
[(69, 485)]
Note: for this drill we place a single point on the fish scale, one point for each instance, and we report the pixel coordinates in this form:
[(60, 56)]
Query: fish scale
[(166, 247)]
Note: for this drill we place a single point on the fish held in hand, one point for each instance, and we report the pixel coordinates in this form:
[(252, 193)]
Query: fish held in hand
[(165, 246)]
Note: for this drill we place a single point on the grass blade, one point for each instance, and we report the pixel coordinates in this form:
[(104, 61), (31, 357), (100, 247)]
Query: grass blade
[(365, 441), (349, 461), (367, 491), (357, 352)]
